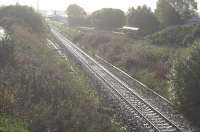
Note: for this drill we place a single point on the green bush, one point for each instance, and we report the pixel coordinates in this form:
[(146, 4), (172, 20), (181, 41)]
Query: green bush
[(22, 15), (47, 93), (77, 16), (186, 85), (143, 18), (108, 19), (9, 124), (177, 36)]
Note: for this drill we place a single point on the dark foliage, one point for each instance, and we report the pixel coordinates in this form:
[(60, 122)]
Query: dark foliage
[(21, 15), (108, 19), (76, 16), (187, 9), (143, 18), (167, 14), (186, 84), (6, 52), (176, 36)]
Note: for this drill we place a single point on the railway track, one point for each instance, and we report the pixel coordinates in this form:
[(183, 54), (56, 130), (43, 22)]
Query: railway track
[(152, 119)]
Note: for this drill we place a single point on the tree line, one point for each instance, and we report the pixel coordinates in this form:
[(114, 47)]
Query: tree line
[(167, 13)]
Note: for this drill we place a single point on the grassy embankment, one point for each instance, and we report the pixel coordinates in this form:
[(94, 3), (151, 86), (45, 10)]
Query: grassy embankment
[(39, 91), (148, 60)]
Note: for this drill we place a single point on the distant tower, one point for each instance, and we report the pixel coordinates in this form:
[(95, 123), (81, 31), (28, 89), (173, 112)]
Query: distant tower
[(55, 13), (18, 2), (38, 6), (130, 4)]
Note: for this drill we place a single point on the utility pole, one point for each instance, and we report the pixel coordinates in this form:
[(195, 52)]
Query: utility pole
[(18, 2), (37, 6), (130, 4)]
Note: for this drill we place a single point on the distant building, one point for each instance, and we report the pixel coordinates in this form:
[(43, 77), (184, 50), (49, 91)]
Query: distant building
[(193, 22), (47, 13), (86, 28), (130, 28), (130, 31), (58, 18), (44, 12)]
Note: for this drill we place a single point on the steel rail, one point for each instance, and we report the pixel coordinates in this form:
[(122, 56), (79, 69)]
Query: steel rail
[(130, 77), (77, 54), (76, 50)]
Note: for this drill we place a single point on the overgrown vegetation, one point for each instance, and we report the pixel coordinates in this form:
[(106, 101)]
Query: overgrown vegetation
[(185, 83), (144, 19), (167, 14), (187, 9), (176, 36), (41, 91), (10, 124), (76, 16), (12, 15), (108, 19)]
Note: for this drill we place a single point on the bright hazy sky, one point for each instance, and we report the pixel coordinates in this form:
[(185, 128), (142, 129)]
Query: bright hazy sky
[(88, 5)]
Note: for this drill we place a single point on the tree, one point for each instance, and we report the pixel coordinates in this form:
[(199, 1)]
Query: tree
[(76, 15), (22, 15), (166, 14), (108, 18), (143, 18), (186, 85), (187, 9)]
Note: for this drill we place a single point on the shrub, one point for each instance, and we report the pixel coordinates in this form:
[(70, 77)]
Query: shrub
[(108, 18), (185, 83), (144, 19), (43, 90), (10, 124), (22, 15), (76, 16), (167, 14), (176, 36)]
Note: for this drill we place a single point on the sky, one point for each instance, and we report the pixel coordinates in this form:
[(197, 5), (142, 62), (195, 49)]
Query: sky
[(88, 5)]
